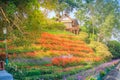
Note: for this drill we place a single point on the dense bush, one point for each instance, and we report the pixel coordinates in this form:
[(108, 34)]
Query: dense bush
[(83, 36), (21, 42), (100, 50), (43, 72), (11, 51), (2, 45), (17, 74), (54, 26), (102, 74), (33, 72), (114, 48)]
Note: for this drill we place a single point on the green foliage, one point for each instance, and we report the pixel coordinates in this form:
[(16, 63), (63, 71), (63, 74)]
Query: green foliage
[(114, 47), (100, 17), (65, 6), (83, 36), (35, 21), (100, 50), (11, 8), (106, 28), (58, 32), (107, 69), (2, 45), (17, 74), (92, 79), (51, 4), (89, 31), (21, 42), (17, 51), (61, 7), (33, 72), (23, 50), (54, 26), (42, 72), (102, 74), (24, 20)]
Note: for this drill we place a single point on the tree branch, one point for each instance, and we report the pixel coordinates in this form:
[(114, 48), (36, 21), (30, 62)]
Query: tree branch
[(3, 13)]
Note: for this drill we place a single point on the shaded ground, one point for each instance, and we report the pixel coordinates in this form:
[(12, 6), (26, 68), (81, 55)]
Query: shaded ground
[(95, 72), (113, 74)]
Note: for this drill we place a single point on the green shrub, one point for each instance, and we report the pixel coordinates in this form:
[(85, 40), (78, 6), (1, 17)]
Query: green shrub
[(2, 45), (93, 79), (107, 69), (1, 36), (114, 48), (17, 73), (33, 72), (21, 50), (37, 77), (21, 42), (102, 74), (54, 26), (101, 50)]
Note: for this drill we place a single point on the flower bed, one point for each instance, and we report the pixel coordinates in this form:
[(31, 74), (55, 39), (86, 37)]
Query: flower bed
[(67, 61)]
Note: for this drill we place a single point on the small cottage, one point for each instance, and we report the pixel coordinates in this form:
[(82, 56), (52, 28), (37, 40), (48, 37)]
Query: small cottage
[(71, 24)]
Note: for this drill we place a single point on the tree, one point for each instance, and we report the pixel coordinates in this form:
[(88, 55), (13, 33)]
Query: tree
[(101, 14), (65, 6), (23, 18), (114, 47), (13, 16)]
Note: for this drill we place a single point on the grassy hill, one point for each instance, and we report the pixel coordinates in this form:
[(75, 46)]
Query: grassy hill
[(53, 56)]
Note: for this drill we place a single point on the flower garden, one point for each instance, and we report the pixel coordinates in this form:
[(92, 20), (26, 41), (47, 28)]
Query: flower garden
[(59, 39), (56, 57)]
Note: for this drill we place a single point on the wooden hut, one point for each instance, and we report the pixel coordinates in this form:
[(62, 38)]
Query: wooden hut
[(71, 24)]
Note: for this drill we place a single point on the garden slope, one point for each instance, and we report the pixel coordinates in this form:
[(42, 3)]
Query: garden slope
[(60, 50), (66, 49)]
